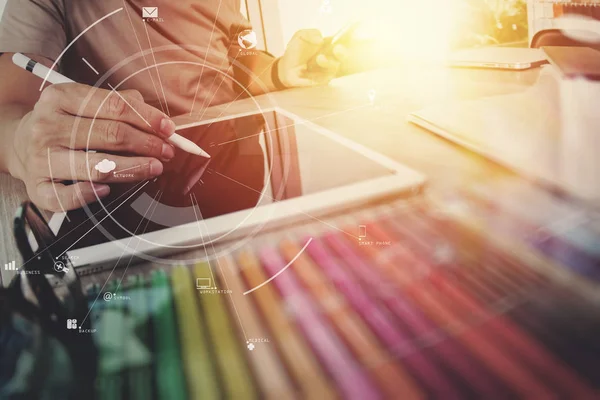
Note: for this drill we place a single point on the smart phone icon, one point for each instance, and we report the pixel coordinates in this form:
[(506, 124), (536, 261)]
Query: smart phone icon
[(362, 231)]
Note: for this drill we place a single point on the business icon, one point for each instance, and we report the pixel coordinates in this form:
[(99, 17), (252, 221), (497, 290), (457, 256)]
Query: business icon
[(11, 266), (203, 283), (72, 323), (105, 166), (247, 39), (149, 12)]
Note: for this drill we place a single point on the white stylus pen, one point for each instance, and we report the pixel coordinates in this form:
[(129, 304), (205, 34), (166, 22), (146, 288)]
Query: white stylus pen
[(54, 77)]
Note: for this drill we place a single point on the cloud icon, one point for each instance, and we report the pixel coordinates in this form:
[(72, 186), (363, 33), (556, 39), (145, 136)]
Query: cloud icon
[(105, 166)]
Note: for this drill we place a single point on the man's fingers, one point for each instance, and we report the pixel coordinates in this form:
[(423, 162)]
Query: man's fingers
[(98, 167), (89, 102), (121, 137), (340, 52), (131, 93), (300, 78), (58, 197), (312, 36), (327, 63)]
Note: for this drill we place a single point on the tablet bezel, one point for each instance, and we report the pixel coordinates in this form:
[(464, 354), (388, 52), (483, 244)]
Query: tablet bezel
[(112, 254)]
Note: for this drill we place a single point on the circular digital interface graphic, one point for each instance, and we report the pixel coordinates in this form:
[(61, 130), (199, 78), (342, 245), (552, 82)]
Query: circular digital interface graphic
[(153, 202)]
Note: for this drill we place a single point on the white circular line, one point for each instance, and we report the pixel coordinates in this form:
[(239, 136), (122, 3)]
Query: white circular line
[(73, 42), (282, 269)]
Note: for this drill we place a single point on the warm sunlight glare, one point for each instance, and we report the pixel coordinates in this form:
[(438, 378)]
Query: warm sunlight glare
[(416, 30)]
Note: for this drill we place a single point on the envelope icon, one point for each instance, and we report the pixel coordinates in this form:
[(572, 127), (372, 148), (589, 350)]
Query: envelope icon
[(149, 12)]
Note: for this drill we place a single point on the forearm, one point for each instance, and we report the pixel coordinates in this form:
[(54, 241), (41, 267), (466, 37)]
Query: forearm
[(256, 74), (10, 118)]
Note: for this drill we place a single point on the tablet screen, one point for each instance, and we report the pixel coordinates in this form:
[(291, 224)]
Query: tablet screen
[(255, 160)]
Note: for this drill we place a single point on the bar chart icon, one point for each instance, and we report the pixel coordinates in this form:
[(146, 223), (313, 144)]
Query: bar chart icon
[(11, 266)]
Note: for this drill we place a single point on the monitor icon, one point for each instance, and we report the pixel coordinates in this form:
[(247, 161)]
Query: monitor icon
[(203, 283)]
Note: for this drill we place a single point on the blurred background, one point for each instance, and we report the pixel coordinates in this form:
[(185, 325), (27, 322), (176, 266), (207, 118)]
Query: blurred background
[(415, 28)]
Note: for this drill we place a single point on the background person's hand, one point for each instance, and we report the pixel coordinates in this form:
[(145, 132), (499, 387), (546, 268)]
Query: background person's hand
[(47, 147), (293, 68)]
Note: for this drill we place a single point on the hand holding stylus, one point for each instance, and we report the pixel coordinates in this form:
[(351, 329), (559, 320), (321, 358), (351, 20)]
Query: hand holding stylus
[(50, 139)]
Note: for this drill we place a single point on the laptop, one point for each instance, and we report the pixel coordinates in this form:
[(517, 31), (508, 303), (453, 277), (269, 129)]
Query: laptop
[(513, 58)]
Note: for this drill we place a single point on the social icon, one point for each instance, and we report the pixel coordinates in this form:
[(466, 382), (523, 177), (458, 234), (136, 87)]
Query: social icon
[(247, 39), (59, 266), (105, 166), (72, 323), (372, 95), (108, 296), (203, 283), (11, 266), (149, 12)]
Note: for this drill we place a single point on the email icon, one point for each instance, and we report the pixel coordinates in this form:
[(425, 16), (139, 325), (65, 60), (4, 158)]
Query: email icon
[(149, 12)]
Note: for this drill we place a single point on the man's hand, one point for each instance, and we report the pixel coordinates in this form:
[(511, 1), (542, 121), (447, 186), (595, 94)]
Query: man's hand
[(293, 69), (50, 140)]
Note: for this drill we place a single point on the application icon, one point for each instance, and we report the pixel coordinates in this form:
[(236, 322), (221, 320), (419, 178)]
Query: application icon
[(105, 166), (149, 12), (247, 39), (203, 283)]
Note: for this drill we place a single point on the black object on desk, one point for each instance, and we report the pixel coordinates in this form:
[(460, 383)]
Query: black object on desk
[(42, 313)]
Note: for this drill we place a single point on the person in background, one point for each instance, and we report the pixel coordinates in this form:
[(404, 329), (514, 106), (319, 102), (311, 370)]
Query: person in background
[(39, 143)]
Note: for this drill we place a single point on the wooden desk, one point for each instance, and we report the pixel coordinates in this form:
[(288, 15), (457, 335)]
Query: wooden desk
[(344, 107)]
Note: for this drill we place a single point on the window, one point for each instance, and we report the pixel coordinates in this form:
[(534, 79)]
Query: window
[(420, 28)]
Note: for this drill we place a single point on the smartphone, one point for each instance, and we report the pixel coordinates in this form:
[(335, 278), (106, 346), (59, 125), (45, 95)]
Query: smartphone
[(342, 37), (575, 62)]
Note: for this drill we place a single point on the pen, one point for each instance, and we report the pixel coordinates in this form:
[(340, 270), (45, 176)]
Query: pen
[(54, 77)]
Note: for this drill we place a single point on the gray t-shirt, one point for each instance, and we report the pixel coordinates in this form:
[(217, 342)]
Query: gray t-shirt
[(176, 38)]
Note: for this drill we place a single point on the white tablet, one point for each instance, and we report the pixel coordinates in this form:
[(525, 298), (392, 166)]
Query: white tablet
[(267, 169)]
